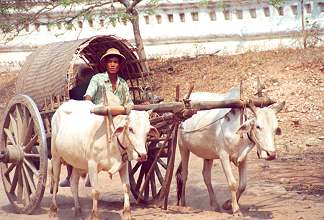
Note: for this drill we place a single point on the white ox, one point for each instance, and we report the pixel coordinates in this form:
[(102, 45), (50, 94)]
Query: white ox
[(79, 139), (217, 134)]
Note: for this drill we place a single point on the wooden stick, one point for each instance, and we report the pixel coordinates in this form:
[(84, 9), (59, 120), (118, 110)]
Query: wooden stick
[(202, 105), (157, 156), (190, 91), (241, 110), (177, 93), (169, 170)]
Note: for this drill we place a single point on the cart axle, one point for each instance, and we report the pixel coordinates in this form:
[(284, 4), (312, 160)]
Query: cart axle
[(11, 154)]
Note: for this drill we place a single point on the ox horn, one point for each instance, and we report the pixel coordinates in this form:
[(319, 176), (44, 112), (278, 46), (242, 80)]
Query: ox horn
[(252, 106), (278, 106), (260, 88)]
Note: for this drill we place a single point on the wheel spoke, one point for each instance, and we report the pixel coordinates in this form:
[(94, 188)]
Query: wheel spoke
[(31, 167), (138, 164), (13, 125), (163, 164), (29, 179), (26, 116), (159, 175), (28, 146), (20, 185), (140, 178), (38, 148), (31, 155), (9, 135), (20, 127), (29, 131), (153, 186), (26, 198), (14, 180), (9, 169), (147, 190)]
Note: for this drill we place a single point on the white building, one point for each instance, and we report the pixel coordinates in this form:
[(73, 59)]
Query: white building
[(187, 28)]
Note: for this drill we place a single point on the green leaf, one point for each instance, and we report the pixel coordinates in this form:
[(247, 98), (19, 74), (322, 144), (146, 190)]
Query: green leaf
[(276, 3)]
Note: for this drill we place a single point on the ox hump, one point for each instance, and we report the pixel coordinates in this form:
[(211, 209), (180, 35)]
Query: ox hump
[(74, 105)]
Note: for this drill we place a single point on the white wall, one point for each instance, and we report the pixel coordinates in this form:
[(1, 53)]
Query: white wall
[(189, 38)]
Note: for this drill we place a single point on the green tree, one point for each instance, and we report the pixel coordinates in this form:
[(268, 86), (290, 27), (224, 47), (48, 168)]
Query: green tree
[(16, 15)]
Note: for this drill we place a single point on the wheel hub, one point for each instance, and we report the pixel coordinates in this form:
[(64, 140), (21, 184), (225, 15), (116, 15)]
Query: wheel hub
[(11, 154)]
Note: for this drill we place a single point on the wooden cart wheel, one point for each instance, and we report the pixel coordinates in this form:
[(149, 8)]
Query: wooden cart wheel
[(23, 154), (139, 170)]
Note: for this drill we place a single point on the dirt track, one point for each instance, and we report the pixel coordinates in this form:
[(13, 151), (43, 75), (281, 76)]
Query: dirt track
[(266, 197), (291, 187)]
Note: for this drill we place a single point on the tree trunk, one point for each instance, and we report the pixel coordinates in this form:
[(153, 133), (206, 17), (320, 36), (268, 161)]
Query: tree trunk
[(138, 39), (130, 9), (303, 23)]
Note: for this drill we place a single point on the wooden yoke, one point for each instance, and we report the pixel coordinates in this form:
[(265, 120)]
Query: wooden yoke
[(103, 110), (180, 106)]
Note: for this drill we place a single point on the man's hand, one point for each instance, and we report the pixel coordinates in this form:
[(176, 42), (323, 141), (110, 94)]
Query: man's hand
[(87, 97)]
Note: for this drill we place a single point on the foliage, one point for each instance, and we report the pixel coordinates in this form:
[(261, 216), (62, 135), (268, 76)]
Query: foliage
[(277, 3), (312, 33), (151, 7), (41, 13), (16, 15)]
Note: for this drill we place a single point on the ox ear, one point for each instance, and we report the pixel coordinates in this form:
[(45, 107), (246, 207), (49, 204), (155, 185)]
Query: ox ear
[(278, 131), (154, 132), (118, 131), (246, 126), (277, 107)]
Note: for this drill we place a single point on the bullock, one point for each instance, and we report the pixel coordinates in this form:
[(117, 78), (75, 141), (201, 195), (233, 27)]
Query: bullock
[(218, 134), (80, 139)]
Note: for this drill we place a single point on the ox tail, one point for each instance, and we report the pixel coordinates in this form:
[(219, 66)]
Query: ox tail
[(179, 182)]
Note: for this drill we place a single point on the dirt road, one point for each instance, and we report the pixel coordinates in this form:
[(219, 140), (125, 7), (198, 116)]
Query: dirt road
[(266, 196)]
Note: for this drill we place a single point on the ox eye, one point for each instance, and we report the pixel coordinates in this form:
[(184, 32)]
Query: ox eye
[(131, 130)]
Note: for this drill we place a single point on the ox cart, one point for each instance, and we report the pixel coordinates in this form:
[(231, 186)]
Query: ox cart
[(60, 71)]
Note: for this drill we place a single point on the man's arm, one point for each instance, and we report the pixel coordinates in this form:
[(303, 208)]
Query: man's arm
[(92, 89)]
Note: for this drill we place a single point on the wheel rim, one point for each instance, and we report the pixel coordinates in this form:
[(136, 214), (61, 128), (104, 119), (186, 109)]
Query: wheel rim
[(23, 139), (139, 170)]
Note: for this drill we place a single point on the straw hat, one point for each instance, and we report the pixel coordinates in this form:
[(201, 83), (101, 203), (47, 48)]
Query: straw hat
[(112, 52)]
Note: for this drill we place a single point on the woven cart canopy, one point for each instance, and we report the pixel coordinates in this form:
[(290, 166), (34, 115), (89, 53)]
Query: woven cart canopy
[(48, 71)]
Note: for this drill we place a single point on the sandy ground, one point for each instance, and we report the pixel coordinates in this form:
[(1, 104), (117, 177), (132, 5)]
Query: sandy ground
[(291, 187), (267, 195)]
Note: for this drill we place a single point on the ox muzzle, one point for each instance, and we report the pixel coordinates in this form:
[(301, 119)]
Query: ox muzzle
[(267, 155)]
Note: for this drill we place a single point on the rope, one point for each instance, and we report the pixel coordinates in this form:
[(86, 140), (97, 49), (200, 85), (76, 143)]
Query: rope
[(109, 121), (252, 138), (124, 149), (203, 127)]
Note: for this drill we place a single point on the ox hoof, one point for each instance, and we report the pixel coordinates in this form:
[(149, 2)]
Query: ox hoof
[(53, 208), (52, 215), (53, 211), (216, 208), (78, 212), (94, 215), (238, 213), (227, 205), (127, 216)]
